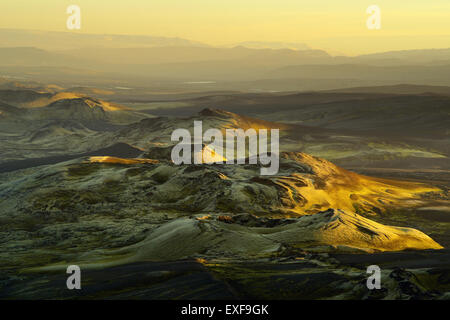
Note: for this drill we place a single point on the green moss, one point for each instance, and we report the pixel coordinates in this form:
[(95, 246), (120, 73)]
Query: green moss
[(83, 169), (132, 172), (111, 186), (26, 223), (54, 199)]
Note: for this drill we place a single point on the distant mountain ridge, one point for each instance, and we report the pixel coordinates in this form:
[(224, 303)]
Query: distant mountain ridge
[(216, 69), (54, 40), (398, 89), (274, 45)]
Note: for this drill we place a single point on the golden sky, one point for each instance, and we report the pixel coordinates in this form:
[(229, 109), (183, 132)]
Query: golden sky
[(337, 25)]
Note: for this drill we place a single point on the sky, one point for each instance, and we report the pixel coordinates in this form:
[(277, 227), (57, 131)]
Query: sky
[(335, 25)]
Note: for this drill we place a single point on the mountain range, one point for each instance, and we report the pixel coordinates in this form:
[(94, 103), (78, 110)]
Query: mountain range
[(170, 64)]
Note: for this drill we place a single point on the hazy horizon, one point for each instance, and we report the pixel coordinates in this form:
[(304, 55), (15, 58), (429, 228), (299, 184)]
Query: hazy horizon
[(331, 26), (331, 50)]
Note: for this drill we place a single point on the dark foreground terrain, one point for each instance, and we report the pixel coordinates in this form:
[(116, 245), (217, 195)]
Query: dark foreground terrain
[(405, 275)]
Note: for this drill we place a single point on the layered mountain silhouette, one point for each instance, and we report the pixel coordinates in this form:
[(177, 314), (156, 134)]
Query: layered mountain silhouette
[(271, 66)]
